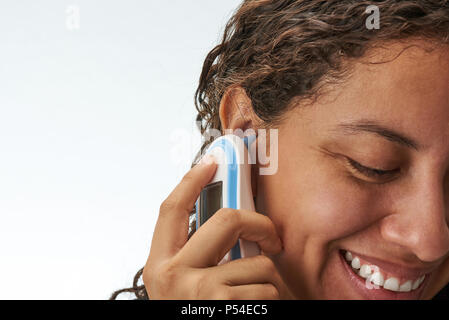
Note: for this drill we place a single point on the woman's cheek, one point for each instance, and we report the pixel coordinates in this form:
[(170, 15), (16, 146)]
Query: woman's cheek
[(335, 211), (320, 203)]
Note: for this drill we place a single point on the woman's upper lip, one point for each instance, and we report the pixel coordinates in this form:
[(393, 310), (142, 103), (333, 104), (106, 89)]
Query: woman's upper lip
[(403, 270)]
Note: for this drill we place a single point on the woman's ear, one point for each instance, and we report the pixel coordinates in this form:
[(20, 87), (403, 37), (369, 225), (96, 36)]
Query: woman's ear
[(236, 111)]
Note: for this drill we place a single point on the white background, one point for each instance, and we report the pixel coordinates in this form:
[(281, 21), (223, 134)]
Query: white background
[(89, 121)]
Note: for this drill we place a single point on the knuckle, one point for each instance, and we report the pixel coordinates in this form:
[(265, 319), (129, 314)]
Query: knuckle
[(187, 178), (226, 216), (266, 264), (163, 278), (167, 206), (167, 271), (267, 223)]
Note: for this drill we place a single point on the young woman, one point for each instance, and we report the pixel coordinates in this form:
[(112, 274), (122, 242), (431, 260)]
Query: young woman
[(362, 186)]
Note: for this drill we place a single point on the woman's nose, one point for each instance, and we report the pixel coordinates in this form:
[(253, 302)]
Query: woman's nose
[(420, 222)]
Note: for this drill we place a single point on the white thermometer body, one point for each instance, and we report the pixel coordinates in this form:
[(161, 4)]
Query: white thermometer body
[(230, 188)]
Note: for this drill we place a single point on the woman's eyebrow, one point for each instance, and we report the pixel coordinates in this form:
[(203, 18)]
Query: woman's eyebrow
[(371, 126)]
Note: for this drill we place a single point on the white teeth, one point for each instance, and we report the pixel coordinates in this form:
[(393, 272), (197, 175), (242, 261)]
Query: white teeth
[(406, 286), (418, 282), (355, 263), (392, 284), (373, 275), (415, 284), (377, 278), (365, 271), (348, 256)]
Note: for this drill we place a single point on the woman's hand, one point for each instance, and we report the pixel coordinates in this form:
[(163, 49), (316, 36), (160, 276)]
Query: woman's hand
[(181, 269)]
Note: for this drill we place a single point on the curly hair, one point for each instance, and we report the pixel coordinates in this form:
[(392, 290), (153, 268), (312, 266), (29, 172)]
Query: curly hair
[(283, 51)]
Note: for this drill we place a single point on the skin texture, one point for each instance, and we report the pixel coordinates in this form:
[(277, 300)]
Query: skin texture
[(320, 205), (317, 204)]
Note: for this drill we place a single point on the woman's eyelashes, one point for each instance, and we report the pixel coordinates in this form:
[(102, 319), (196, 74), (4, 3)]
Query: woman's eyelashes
[(371, 173)]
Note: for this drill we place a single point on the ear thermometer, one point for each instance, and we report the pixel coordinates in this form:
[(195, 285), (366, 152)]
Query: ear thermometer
[(229, 188)]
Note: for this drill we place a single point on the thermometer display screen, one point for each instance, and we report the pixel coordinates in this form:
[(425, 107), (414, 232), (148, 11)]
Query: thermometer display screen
[(210, 200)]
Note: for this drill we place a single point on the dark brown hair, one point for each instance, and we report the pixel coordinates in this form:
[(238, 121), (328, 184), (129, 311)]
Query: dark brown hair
[(282, 51)]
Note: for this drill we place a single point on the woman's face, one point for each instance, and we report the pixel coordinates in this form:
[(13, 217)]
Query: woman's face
[(392, 117)]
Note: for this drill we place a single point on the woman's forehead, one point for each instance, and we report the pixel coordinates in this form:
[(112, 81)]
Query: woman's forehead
[(409, 94)]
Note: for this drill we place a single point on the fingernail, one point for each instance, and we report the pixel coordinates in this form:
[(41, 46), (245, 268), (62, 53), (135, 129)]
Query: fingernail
[(207, 160)]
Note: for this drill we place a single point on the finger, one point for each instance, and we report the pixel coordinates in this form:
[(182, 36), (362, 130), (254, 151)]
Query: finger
[(262, 291), (258, 269), (171, 231), (253, 270), (218, 235)]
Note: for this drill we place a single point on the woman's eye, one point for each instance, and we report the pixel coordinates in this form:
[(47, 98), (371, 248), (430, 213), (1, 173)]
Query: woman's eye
[(370, 172)]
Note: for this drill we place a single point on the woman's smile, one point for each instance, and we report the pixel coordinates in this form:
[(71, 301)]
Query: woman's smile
[(375, 278)]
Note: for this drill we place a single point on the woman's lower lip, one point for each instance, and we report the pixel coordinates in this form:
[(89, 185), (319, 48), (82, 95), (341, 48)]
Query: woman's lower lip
[(369, 291)]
